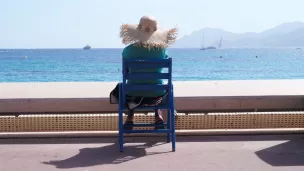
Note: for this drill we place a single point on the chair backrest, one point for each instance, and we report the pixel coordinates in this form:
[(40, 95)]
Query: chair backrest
[(142, 63)]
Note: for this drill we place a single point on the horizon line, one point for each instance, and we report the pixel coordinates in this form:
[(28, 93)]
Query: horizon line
[(167, 48)]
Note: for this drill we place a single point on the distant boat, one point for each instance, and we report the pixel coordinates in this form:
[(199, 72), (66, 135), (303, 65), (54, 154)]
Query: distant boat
[(87, 47), (299, 48), (210, 47)]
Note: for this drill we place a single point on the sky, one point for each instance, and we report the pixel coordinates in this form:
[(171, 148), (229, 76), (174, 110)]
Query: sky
[(75, 23)]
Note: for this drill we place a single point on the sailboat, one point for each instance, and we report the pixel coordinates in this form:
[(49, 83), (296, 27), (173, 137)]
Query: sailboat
[(211, 47)]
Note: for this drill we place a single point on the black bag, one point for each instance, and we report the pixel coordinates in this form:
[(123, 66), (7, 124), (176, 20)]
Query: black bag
[(133, 102)]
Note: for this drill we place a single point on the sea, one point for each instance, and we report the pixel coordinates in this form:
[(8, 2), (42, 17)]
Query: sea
[(104, 65)]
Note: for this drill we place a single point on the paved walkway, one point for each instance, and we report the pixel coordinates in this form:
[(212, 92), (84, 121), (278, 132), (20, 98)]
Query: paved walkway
[(212, 153)]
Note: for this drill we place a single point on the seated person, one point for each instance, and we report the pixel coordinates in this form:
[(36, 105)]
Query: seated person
[(148, 41)]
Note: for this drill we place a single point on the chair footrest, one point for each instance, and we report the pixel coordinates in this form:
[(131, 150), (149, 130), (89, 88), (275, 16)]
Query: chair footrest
[(152, 107), (147, 131), (145, 125)]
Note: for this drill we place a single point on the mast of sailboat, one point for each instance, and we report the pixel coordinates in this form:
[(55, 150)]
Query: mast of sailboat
[(220, 44), (203, 41)]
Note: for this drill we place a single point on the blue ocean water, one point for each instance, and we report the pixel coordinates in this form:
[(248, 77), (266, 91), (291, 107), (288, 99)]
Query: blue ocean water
[(60, 65)]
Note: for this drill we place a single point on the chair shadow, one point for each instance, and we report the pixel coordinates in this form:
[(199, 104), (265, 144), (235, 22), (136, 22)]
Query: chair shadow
[(104, 155), (290, 153)]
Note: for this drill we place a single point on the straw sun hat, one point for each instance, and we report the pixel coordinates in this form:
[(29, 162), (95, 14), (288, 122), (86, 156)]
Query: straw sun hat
[(147, 34)]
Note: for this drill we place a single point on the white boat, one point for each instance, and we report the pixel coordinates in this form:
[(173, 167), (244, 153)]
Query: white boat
[(87, 47)]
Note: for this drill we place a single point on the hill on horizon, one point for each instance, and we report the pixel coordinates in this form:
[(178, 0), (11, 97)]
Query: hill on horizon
[(289, 34)]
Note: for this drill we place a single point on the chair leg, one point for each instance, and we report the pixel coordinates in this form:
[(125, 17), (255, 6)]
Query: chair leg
[(173, 129), (120, 122), (121, 148), (169, 125), (173, 123)]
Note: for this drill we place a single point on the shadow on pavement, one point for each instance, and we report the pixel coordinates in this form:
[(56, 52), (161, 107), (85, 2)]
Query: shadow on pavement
[(104, 155), (290, 153)]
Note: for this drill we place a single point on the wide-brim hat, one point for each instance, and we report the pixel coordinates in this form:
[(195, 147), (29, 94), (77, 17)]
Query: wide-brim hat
[(147, 34)]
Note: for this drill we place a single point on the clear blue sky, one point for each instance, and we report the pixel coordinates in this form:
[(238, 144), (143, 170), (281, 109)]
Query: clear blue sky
[(74, 23)]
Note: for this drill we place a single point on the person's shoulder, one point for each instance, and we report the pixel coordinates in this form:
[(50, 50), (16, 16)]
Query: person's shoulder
[(127, 50), (161, 49), (128, 47), (164, 51)]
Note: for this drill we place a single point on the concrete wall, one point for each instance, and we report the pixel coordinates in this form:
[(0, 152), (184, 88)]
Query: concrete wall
[(86, 97)]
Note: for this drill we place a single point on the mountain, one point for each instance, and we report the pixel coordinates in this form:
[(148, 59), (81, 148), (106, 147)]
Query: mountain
[(283, 29), (284, 35)]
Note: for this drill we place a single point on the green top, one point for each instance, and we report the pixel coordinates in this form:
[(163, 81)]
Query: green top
[(132, 52)]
